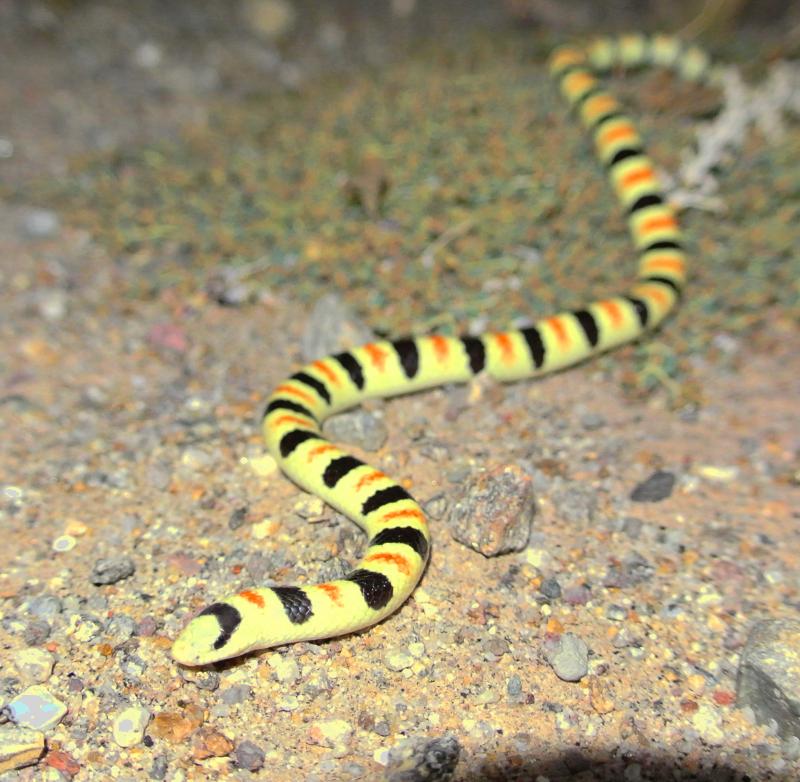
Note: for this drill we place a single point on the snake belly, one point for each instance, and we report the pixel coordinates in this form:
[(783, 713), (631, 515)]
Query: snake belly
[(397, 531)]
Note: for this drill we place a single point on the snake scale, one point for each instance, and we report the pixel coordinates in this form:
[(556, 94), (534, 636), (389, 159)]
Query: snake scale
[(396, 528)]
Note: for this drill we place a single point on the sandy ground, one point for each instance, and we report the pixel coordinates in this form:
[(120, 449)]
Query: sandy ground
[(130, 435)]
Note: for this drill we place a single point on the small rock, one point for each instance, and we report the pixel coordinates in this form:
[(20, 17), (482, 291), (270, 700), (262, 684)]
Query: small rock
[(111, 570), (62, 762), (36, 708), (202, 678), (210, 743), (656, 488), (422, 760), (237, 693), (550, 588), (357, 427), (45, 607), (398, 660), (237, 518), (147, 627), (36, 632), (768, 679), (159, 768), (568, 655), (494, 514), (332, 733), (129, 725), (707, 721), (285, 668), (592, 421), (616, 613), (64, 543), (120, 628), (19, 747), (174, 727), (249, 756), (52, 305), (34, 665), (40, 223), (577, 595)]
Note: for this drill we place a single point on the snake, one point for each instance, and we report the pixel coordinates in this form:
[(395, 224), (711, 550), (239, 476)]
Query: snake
[(399, 540)]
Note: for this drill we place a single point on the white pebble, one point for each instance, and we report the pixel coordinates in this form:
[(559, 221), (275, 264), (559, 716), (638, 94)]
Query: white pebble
[(129, 725)]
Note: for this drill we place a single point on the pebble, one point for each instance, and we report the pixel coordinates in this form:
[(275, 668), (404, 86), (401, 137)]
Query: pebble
[(707, 721), (284, 667), (120, 628), (36, 632), (568, 655), (592, 421), (335, 734), (62, 762), (34, 665), (40, 223), (51, 305), (64, 543), (616, 613), (112, 569), (237, 518), (421, 759), (550, 588), (263, 465), (202, 678), (37, 708), (19, 747), (173, 727), (399, 660), (159, 768), (237, 693), (494, 513), (249, 756), (357, 427), (768, 679), (147, 627), (210, 743), (657, 487), (45, 607), (577, 595)]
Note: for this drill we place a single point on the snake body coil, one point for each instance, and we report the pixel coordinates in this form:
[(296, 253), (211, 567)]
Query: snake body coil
[(399, 541)]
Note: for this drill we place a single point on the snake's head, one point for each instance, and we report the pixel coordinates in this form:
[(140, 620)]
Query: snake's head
[(214, 634)]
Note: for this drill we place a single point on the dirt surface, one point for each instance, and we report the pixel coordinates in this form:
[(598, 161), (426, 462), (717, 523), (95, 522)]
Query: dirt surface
[(135, 486)]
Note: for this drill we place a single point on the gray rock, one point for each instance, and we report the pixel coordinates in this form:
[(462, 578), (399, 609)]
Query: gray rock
[(120, 628), (111, 570), (45, 607), (40, 223), (550, 588), (249, 756), (768, 679), (358, 427), (568, 655), (656, 488), (494, 513)]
